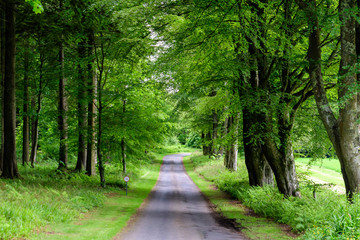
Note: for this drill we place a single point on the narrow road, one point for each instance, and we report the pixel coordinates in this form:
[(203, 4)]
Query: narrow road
[(176, 210)]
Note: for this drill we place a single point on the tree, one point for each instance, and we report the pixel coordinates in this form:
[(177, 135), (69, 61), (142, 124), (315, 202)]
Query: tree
[(10, 169), (342, 131)]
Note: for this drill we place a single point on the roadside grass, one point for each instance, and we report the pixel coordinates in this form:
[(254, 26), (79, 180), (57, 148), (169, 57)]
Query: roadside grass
[(106, 221), (329, 216), (46, 204), (254, 227)]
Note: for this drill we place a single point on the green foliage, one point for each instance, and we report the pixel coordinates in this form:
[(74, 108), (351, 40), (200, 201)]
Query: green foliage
[(36, 5), (329, 216)]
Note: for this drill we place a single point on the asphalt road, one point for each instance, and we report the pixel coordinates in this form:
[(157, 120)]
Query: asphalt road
[(176, 210)]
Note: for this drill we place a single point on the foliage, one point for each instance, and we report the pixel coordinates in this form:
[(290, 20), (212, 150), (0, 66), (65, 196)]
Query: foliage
[(329, 216), (36, 4)]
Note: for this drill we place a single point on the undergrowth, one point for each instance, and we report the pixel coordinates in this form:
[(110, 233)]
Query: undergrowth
[(43, 195), (329, 216)]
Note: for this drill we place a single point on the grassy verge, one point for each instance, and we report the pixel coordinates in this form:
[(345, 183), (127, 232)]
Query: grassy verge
[(329, 216), (106, 221), (254, 227), (45, 204)]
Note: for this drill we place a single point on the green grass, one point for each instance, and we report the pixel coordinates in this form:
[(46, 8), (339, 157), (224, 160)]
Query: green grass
[(106, 221), (213, 171), (325, 163), (327, 169), (329, 216), (45, 204)]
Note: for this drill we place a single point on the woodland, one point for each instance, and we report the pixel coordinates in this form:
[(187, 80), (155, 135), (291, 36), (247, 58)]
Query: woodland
[(87, 83)]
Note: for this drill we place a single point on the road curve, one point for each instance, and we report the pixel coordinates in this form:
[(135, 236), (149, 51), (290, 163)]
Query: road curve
[(176, 210)]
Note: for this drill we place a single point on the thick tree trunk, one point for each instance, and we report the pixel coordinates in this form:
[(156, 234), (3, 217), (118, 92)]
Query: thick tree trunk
[(283, 166), (26, 122), (2, 53), (82, 103), (10, 169), (259, 171), (348, 126), (343, 132), (91, 144), (62, 111)]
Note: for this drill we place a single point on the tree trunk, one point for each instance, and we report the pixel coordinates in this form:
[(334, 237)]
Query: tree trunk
[(91, 144), (82, 103), (10, 169), (99, 142), (35, 119), (204, 147), (2, 22), (343, 132), (123, 154), (123, 143), (259, 171), (63, 108), (214, 134), (283, 166), (231, 152), (26, 124)]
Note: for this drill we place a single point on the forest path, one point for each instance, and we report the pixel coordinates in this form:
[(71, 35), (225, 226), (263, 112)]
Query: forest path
[(176, 209)]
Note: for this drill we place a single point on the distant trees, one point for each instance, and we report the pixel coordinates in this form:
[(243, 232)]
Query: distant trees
[(78, 63)]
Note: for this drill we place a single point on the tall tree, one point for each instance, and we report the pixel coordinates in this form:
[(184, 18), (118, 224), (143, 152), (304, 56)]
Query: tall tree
[(63, 105), (343, 131), (10, 169), (26, 100), (92, 82)]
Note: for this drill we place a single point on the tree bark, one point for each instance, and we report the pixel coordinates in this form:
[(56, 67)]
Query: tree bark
[(35, 119), (231, 151), (123, 154), (214, 136), (91, 144), (82, 103), (10, 169), (62, 107), (2, 22), (343, 132), (259, 171), (99, 140), (62, 110), (123, 143), (26, 122)]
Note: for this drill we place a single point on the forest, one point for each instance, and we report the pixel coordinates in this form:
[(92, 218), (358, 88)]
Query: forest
[(93, 90)]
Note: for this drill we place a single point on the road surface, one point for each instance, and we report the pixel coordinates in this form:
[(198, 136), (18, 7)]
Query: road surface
[(176, 210)]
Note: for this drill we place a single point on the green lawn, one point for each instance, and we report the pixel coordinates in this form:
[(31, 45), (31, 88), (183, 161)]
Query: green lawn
[(327, 170)]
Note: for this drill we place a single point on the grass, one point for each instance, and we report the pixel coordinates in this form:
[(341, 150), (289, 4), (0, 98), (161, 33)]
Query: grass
[(254, 227), (106, 221), (327, 170), (329, 216), (45, 204)]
